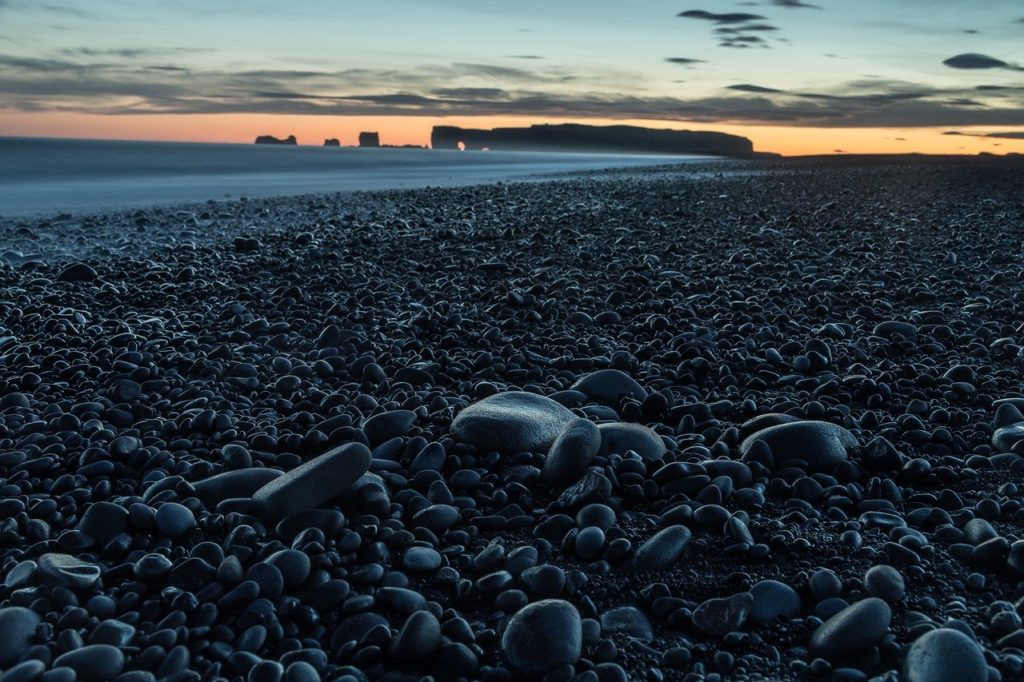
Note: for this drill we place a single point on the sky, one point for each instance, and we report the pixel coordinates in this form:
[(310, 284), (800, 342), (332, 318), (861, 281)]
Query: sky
[(795, 76)]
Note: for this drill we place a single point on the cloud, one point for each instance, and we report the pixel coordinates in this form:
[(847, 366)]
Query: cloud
[(131, 52), (794, 4), (727, 18), (684, 60), (131, 86), (750, 28), (735, 29), (747, 87), (524, 56), (972, 60), (1015, 135), (50, 8)]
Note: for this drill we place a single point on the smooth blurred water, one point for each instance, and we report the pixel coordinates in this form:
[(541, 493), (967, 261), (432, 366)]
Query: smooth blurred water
[(44, 176)]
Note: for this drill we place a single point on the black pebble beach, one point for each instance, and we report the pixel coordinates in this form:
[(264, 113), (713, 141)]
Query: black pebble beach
[(731, 421)]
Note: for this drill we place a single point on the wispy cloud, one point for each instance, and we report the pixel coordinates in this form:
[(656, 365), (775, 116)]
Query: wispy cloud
[(1014, 135), (725, 18), (974, 61), (794, 4), (133, 86), (738, 29)]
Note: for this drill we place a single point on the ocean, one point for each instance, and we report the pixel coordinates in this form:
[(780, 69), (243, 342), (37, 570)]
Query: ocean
[(48, 176)]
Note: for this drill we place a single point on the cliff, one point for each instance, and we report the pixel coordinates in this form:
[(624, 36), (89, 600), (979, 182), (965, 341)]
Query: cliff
[(571, 137), (270, 139)]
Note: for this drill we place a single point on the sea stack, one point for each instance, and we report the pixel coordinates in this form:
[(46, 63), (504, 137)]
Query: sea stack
[(369, 140), (332, 142), (270, 139)]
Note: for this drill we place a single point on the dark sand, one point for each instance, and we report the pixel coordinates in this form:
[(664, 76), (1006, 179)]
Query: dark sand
[(144, 352)]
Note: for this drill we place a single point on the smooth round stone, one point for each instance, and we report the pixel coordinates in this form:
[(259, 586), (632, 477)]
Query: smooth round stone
[(1006, 437), (610, 385), (387, 425), (662, 549), (571, 453), (421, 559), (293, 565), (627, 620), (512, 422), (126, 390), (236, 456), (26, 671), (945, 655), (65, 570), (419, 637), (599, 515), (773, 599), (436, 517), (14, 399), (93, 662), (1007, 414), (310, 485), (853, 629), (18, 626), (77, 272), (233, 484), (330, 521), (112, 632), (885, 582), (590, 543), (430, 458), (543, 635), (723, 615), (891, 328), (301, 671), (174, 520), (102, 521), (618, 437), (818, 446), (355, 627), (764, 421)]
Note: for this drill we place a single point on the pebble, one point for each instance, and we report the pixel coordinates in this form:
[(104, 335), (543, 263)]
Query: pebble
[(609, 385), (773, 599), (543, 636), (621, 437), (312, 484), (174, 520), (571, 452), (816, 445), (418, 638), (512, 422), (64, 570), (853, 629), (233, 484), (629, 621), (720, 616), (945, 655), (885, 582), (662, 549), (93, 662), (18, 625)]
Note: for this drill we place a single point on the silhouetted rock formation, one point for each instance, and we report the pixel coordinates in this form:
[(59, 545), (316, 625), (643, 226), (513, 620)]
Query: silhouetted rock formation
[(332, 142), (270, 139), (369, 140), (583, 138)]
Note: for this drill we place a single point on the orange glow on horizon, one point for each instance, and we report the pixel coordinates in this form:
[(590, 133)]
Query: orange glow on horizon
[(399, 130)]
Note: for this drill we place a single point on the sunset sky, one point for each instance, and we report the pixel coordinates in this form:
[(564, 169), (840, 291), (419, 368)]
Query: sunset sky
[(796, 76)]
